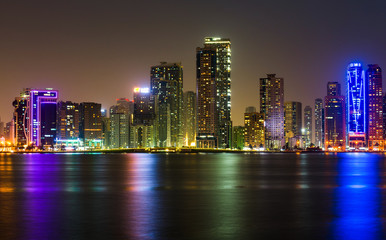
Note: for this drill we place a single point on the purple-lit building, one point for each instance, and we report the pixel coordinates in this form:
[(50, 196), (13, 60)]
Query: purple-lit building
[(35, 117)]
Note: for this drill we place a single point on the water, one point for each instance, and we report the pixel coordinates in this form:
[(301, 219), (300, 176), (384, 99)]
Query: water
[(192, 196)]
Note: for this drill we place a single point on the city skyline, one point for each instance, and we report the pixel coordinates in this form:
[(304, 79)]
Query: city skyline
[(47, 49)]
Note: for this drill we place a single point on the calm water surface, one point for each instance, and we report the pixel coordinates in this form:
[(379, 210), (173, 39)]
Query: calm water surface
[(192, 196)]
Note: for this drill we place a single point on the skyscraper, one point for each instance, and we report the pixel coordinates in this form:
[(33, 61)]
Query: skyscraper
[(68, 120), (214, 93), (68, 124), (35, 117), (293, 124), (272, 94), (120, 115), (189, 108), (308, 125), (142, 130), (254, 136), (375, 107), (166, 81), (319, 123), (91, 124), (356, 106), (335, 120)]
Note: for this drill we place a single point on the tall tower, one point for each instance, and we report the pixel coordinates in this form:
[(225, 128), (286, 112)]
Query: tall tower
[(91, 124), (272, 93), (335, 120), (293, 123), (142, 130), (214, 93), (189, 118), (166, 81), (375, 107), (356, 106), (319, 123), (35, 117), (120, 123), (308, 125)]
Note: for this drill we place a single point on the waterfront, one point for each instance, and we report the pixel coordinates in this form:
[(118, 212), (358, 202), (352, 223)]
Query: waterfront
[(192, 196)]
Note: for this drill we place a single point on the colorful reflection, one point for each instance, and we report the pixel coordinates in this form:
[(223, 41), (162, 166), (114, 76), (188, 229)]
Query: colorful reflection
[(42, 207), (358, 197), (7, 198), (143, 205)]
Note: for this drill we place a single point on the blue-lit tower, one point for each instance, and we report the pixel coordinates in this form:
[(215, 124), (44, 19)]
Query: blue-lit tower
[(356, 106)]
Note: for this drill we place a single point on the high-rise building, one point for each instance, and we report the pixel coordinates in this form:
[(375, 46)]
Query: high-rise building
[(254, 129), (142, 130), (238, 137), (293, 124), (308, 126), (356, 106), (375, 108), (189, 108), (35, 117), (335, 119), (384, 115), (68, 120), (68, 124), (90, 127), (272, 94), (2, 127), (120, 116), (214, 94), (166, 82), (319, 123)]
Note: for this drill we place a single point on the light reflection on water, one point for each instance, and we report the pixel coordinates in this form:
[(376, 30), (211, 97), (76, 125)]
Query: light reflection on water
[(192, 196)]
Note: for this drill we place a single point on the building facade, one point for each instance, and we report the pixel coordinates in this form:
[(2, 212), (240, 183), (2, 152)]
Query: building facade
[(142, 133), (120, 115), (375, 107), (319, 123), (307, 126), (356, 113), (293, 124), (91, 124), (166, 82), (254, 129), (335, 119), (238, 137), (214, 128), (189, 119), (35, 117), (272, 95)]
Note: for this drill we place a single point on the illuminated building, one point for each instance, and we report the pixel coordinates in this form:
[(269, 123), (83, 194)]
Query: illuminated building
[(319, 123), (375, 107), (308, 125), (68, 120), (272, 95), (8, 131), (356, 106), (254, 129), (142, 130), (189, 119), (384, 115), (238, 137), (293, 124), (1, 129), (335, 120), (120, 116), (91, 124), (35, 117), (214, 126), (166, 82)]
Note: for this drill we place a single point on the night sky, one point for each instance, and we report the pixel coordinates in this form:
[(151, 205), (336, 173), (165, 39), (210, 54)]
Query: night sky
[(100, 50)]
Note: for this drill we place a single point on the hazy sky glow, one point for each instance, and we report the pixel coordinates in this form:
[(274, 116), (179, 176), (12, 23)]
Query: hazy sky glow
[(100, 50)]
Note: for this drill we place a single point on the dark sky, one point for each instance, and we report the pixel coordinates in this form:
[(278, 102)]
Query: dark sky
[(100, 50)]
